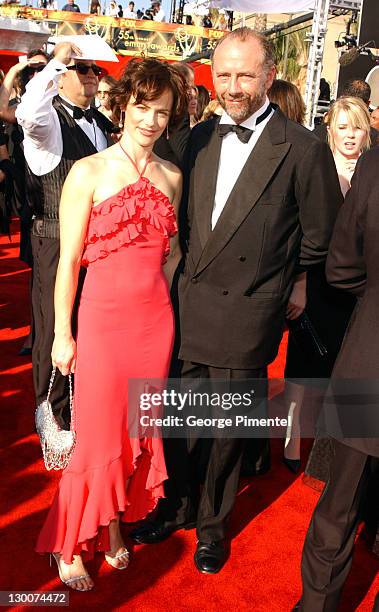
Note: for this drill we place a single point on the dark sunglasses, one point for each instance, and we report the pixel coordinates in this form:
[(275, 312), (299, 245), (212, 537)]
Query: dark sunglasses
[(85, 68)]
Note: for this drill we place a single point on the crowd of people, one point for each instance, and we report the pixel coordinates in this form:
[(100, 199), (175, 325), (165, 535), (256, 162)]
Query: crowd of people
[(174, 235), (154, 12)]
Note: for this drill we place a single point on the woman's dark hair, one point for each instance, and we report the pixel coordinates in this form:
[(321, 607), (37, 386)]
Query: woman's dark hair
[(95, 4), (287, 96), (109, 80), (203, 99), (148, 79)]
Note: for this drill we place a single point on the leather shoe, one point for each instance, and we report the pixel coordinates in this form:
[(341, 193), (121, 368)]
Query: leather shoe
[(256, 458), (255, 469), (210, 557), (292, 464), (25, 351), (152, 532)]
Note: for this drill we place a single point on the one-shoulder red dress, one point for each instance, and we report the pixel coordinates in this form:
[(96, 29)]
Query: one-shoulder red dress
[(125, 330)]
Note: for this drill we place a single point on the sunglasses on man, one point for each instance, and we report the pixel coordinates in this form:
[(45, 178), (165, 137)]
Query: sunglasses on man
[(85, 68)]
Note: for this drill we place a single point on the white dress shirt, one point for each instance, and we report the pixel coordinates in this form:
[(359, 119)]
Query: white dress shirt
[(43, 144), (160, 16), (234, 155)]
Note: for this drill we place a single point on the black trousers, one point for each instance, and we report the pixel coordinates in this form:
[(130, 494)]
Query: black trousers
[(46, 257), (329, 543), (213, 463)]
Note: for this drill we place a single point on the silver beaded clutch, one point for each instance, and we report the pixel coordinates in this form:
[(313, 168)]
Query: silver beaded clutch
[(57, 443)]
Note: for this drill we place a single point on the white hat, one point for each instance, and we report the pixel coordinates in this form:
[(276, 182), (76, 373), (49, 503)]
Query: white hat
[(93, 47)]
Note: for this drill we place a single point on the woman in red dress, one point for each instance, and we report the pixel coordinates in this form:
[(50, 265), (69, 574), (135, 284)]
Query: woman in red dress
[(117, 216)]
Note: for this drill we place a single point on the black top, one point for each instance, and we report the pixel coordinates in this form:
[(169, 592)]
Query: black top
[(71, 7), (3, 137)]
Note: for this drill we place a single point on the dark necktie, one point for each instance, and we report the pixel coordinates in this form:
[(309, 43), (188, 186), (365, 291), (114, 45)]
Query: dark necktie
[(78, 113), (243, 133)]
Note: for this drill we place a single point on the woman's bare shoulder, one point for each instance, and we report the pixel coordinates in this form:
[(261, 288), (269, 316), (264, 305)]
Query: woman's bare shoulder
[(170, 169), (91, 167)]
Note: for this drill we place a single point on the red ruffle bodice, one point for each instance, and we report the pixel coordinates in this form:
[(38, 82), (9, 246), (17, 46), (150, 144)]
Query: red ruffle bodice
[(123, 218)]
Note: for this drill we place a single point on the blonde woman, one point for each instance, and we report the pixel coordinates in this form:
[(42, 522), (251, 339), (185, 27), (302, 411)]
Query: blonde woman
[(348, 124), (348, 129)]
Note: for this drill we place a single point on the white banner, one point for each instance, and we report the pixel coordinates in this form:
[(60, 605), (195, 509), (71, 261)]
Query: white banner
[(263, 6)]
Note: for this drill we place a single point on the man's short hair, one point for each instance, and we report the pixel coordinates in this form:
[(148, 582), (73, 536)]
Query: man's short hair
[(357, 88), (242, 35)]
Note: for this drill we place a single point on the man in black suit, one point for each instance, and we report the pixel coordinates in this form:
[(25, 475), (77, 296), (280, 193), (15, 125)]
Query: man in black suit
[(262, 195), (352, 265)]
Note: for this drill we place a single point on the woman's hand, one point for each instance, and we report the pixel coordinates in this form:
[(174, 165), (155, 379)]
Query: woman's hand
[(63, 354), (298, 297), (350, 165)]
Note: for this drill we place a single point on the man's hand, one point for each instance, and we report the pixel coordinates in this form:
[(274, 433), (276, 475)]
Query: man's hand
[(298, 298), (65, 51), (2, 176)]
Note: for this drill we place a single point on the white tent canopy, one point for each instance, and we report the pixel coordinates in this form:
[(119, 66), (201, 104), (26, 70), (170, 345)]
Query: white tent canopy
[(263, 6)]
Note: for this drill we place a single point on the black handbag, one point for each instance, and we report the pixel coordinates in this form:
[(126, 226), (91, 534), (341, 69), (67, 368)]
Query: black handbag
[(307, 338)]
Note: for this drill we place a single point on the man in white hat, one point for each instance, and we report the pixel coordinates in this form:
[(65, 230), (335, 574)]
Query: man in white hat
[(59, 128)]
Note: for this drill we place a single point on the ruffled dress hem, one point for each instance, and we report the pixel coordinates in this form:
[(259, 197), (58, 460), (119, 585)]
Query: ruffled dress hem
[(88, 506)]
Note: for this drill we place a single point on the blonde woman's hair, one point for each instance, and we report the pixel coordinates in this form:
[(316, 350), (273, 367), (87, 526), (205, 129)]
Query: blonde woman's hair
[(211, 109), (357, 115)]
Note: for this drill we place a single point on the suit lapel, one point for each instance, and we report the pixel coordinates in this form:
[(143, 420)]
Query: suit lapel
[(264, 160), (205, 177)]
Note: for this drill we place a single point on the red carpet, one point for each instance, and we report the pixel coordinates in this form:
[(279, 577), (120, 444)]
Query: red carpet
[(269, 522)]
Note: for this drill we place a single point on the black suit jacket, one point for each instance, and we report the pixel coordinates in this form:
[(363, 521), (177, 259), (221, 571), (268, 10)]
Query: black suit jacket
[(237, 279), (353, 265), (173, 148)]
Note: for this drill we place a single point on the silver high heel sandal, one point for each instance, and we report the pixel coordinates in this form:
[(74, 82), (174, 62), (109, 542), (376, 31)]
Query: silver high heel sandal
[(69, 581), (112, 559)]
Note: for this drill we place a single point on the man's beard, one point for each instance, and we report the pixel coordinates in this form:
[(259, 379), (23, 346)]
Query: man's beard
[(247, 107)]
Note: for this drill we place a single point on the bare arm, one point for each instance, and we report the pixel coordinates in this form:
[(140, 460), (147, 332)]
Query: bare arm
[(8, 113), (74, 212), (174, 257)]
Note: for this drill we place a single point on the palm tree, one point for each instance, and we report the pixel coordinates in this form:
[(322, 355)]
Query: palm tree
[(259, 22), (291, 54)]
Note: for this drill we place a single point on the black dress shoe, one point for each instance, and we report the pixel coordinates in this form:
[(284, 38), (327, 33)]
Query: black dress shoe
[(256, 458), (210, 557), (25, 351), (292, 464), (152, 532), (249, 468)]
